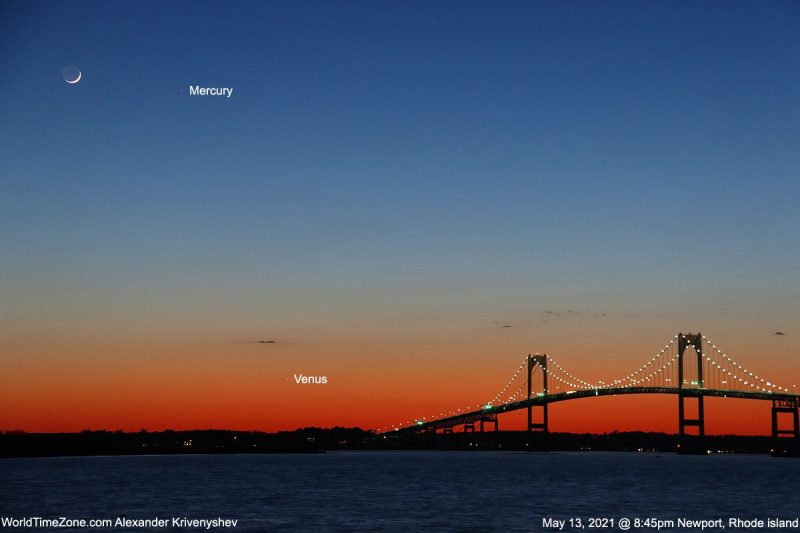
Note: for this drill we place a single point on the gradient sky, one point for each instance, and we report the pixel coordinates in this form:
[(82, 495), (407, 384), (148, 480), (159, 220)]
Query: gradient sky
[(389, 183)]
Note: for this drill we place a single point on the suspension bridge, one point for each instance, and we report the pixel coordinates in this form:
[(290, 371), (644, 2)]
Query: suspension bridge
[(689, 366)]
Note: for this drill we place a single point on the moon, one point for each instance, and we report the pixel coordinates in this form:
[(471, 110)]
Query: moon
[(72, 74)]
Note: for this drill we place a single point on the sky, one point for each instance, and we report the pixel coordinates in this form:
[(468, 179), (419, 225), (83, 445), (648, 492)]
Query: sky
[(388, 184)]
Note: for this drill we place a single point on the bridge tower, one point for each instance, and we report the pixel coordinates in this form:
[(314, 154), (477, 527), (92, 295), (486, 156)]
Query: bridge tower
[(695, 341), (541, 361)]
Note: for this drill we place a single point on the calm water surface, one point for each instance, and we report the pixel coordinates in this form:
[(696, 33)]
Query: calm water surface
[(401, 491)]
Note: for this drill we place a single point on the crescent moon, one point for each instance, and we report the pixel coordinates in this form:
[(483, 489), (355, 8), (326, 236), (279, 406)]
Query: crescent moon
[(76, 80)]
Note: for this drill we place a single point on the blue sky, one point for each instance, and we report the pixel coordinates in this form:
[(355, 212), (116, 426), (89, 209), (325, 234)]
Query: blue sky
[(397, 154)]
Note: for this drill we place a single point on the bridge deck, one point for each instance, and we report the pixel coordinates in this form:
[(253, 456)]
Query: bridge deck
[(473, 416)]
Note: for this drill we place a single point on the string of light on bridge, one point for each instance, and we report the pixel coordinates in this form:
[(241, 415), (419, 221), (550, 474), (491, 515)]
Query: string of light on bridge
[(516, 387), (631, 376), (769, 385), (585, 383), (510, 381)]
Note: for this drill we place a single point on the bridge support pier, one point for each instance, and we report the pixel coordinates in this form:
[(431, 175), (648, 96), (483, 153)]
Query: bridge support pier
[(469, 427), (490, 419), (540, 427), (684, 422), (781, 445)]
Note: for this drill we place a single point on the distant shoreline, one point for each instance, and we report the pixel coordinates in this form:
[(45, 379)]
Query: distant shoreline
[(318, 440)]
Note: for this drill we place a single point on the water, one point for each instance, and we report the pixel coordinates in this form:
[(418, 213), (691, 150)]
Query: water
[(402, 491)]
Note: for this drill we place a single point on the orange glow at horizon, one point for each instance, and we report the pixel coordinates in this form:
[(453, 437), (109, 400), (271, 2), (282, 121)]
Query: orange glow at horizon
[(72, 386)]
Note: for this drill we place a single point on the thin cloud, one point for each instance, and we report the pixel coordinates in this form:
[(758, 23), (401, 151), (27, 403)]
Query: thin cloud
[(572, 313)]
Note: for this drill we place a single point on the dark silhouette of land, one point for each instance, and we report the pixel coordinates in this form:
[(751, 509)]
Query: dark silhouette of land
[(317, 440)]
